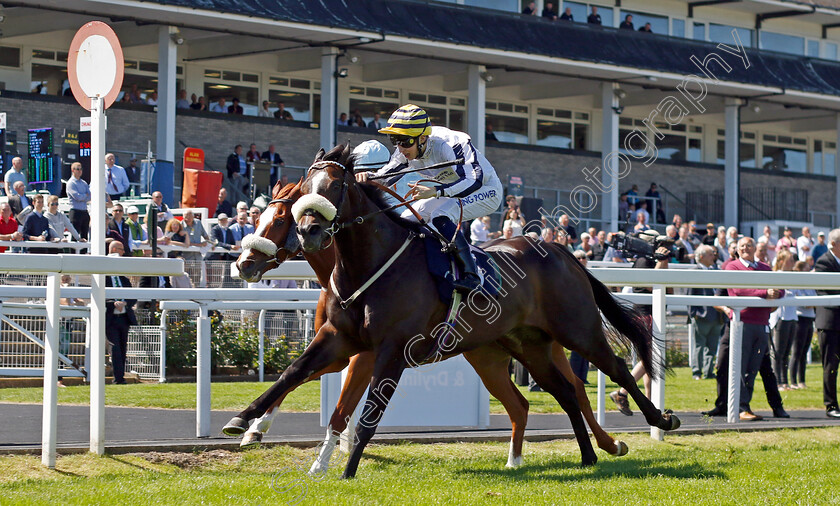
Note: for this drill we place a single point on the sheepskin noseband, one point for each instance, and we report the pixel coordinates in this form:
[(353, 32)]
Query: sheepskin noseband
[(315, 202), (261, 244)]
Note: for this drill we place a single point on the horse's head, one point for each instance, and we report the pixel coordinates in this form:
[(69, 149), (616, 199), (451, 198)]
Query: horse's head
[(324, 198), (274, 239)]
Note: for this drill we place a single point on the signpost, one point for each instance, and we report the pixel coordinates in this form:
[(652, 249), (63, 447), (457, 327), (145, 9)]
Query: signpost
[(95, 69)]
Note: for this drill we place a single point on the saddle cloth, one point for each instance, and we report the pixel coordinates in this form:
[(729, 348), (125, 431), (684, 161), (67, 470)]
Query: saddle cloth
[(440, 266)]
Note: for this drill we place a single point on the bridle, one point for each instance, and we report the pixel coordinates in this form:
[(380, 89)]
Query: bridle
[(292, 244)]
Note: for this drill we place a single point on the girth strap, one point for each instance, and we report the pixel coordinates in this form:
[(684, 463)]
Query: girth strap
[(345, 303)]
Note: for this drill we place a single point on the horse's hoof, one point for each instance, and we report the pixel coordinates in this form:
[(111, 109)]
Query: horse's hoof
[(622, 449), (514, 462), (589, 462), (675, 422), (251, 440), (236, 427)]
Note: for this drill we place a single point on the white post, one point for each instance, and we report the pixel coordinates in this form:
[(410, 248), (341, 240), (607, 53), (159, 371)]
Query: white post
[(167, 59), (162, 375), (261, 331), (475, 105), (308, 316), (731, 161), (692, 360), (50, 408), (609, 144), (329, 96), (736, 337), (602, 390), (836, 222), (203, 361), (658, 385), (97, 287)]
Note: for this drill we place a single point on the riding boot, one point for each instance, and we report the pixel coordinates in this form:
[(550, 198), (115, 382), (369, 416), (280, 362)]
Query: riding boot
[(470, 281)]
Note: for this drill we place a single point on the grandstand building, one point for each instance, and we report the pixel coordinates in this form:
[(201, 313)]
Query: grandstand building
[(731, 106)]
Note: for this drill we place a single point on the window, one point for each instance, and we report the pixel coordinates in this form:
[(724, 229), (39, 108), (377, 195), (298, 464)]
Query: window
[(562, 134), (248, 97), (297, 104), (502, 5), (440, 114), (509, 128), (369, 107), (9, 56), (784, 153), (824, 157), (746, 150), (658, 24), (301, 103), (813, 48), (678, 28), (830, 51), (581, 11), (723, 33), (456, 119), (699, 31), (782, 42)]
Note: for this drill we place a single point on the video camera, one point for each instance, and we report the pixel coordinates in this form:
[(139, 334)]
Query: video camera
[(646, 244)]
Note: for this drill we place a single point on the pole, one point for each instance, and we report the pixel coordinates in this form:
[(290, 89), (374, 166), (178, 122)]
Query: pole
[(261, 330), (736, 337), (658, 385), (97, 290), (602, 390), (50, 417), (692, 360), (203, 359), (162, 376)]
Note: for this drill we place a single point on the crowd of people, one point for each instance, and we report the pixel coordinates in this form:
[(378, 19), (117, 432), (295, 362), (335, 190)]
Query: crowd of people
[(550, 13)]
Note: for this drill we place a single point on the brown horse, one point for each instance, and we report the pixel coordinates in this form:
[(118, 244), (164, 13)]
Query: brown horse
[(386, 318), (276, 225)]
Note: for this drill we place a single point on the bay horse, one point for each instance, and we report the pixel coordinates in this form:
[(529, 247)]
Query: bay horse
[(555, 300), (273, 243)]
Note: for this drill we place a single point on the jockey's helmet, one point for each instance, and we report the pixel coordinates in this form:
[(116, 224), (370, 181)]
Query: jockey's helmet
[(370, 156), (406, 125)]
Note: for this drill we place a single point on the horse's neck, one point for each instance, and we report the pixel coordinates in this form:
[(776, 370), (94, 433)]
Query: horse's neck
[(322, 262)]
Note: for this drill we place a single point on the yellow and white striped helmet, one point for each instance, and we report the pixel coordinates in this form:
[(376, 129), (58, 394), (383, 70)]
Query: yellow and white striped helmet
[(408, 120)]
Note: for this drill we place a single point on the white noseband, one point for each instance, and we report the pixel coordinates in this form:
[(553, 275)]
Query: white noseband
[(315, 202)]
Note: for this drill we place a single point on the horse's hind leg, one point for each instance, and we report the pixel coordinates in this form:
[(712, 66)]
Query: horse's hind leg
[(536, 357), (491, 364), (604, 440)]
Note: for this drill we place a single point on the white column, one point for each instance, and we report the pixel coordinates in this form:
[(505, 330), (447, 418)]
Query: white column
[(202, 387), (731, 179), (329, 95), (736, 338), (837, 179), (691, 341), (475, 105), (167, 58), (50, 407), (602, 392), (261, 332), (657, 390), (97, 286), (609, 144), (162, 374)]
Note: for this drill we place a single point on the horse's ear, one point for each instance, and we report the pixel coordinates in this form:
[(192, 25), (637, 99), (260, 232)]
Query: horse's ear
[(296, 189), (320, 154)]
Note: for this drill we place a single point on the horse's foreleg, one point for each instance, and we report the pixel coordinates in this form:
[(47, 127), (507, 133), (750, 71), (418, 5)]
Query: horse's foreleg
[(604, 440), (492, 368), (358, 378)]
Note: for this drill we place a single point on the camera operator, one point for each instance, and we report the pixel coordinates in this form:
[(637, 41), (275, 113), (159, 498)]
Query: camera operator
[(655, 254)]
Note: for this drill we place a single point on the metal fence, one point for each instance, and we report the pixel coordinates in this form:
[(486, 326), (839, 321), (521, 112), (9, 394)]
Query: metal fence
[(756, 204)]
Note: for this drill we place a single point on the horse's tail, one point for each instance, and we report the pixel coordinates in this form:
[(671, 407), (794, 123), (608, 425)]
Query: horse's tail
[(629, 325)]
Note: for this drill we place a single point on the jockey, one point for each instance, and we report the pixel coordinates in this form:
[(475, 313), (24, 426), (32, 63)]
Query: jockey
[(474, 182)]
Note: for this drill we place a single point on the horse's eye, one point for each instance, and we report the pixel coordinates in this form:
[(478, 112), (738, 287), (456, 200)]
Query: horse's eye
[(281, 221)]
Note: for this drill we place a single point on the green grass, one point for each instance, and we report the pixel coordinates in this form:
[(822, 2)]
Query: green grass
[(682, 393), (779, 467)]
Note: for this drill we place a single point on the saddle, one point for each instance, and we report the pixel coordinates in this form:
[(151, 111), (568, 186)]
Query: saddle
[(444, 269)]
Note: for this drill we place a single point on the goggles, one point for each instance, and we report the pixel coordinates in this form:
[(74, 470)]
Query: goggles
[(403, 141)]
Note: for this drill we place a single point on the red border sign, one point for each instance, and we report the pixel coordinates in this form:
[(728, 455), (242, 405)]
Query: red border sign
[(95, 28)]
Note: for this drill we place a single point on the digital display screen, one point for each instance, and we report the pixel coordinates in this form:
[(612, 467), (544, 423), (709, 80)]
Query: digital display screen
[(41, 158)]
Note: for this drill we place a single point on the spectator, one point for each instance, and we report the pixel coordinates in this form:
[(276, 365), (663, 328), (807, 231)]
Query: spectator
[(786, 242), (220, 106), (530, 9), (176, 236), (677, 221), (594, 18), (133, 95), (253, 155), (600, 247), (119, 225), (585, 246), (641, 222), (623, 209), (567, 16), (163, 212), (783, 321), (264, 112), (223, 206), (357, 120), (646, 28), (548, 12), (571, 232), (693, 235), (254, 216), (820, 248), (510, 200), (119, 317), (611, 255), (133, 172), (489, 135), (582, 258), (342, 119), (515, 223), (276, 162), (627, 24), (754, 322), (281, 113), (376, 122), (241, 207), (193, 101), (182, 102), (137, 236), (201, 105), (223, 235), (479, 232), (16, 174), (59, 223), (116, 178), (828, 327), (19, 201), (235, 108), (710, 237), (196, 234), (8, 226), (804, 332), (547, 234), (37, 226), (641, 208), (241, 228), (655, 199), (768, 239), (730, 256), (237, 169), (707, 320), (685, 242), (153, 98), (731, 235), (761, 253), (593, 236), (805, 244), (724, 252)]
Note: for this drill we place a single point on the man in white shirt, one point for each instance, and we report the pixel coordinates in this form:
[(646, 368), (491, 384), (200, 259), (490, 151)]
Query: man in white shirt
[(14, 175), (264, 112), (805, 244), (220, 106), (116, 179), (478, 231)]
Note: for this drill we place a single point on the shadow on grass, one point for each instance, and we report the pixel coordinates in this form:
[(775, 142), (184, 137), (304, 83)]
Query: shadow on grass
[(605, 469)]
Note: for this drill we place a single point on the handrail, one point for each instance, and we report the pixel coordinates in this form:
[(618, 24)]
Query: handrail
[(689, 209), (82, 264)]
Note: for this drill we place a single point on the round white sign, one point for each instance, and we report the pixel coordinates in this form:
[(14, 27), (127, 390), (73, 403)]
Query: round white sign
[(96, 68)]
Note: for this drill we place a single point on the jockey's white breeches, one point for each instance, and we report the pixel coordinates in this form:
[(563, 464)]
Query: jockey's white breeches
[(482, 202)]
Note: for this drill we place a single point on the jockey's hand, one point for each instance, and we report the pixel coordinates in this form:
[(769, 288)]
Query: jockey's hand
[(362, 177), (422, 192)]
